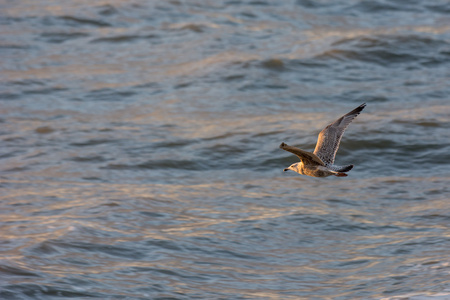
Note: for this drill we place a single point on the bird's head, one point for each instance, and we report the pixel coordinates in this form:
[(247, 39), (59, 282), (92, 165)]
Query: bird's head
[(293, 167)]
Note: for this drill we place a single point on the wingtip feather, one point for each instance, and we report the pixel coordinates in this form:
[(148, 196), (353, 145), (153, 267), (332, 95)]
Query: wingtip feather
[(361, 107)]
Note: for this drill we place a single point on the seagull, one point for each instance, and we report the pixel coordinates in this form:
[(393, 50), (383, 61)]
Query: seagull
[(320, 163)]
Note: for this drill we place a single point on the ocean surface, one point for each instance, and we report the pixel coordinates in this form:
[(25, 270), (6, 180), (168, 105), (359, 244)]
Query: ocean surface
[(140, 159)]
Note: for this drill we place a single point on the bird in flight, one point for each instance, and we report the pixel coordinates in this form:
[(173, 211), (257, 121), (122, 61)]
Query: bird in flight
[(320, 163)]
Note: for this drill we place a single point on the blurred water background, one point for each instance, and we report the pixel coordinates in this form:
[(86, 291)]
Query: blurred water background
[(140, 160)]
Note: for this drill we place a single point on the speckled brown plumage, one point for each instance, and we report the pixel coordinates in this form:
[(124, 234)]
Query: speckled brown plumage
[(320, 163)]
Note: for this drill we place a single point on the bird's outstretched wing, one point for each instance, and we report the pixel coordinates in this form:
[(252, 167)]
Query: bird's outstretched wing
[(308, 158), (330, 137)]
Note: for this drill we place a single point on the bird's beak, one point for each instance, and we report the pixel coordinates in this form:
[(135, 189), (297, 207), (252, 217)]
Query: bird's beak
[(285, 170)]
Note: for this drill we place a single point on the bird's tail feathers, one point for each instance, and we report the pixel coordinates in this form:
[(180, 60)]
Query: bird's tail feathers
[(341, 168)]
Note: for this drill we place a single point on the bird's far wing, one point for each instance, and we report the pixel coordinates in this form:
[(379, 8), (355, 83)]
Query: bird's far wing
[(307, 157), (330, 137)]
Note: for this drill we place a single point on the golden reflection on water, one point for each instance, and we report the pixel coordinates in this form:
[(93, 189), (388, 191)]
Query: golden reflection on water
[(58, 214)]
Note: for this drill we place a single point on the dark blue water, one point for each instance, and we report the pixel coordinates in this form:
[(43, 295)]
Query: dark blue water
[(139, 149)]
